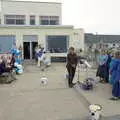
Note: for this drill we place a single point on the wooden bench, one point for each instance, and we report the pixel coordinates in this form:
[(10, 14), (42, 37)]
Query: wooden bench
[(7, 78)]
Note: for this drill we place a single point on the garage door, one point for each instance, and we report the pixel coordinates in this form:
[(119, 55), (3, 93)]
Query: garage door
[(6, 43)]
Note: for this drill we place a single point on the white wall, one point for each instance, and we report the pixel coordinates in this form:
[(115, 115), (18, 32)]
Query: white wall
[(78, 39), (31, 8), (42, 32)]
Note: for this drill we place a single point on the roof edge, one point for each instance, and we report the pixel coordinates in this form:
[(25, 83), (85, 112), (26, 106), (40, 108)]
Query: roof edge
[(32, 1), (38, 27)]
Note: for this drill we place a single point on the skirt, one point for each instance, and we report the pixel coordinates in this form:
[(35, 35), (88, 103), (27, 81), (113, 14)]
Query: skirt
[(102, 71)]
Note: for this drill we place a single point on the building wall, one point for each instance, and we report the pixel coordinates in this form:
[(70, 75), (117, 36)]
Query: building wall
[(78, 39), (41, 33), (93, 39), (31, 8)]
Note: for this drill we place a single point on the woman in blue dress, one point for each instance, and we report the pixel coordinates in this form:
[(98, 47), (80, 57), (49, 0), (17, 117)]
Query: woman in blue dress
[(113, 68), (102, 70), (115, 76)]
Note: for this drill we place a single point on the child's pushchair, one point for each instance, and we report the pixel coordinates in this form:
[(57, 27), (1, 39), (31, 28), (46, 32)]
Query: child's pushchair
[(86, 82)]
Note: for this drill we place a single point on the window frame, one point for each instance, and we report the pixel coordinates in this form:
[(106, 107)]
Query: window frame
[(32, 18), (50, 19), (15, 18)]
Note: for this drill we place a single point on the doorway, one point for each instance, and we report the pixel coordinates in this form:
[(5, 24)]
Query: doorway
[(26, 50), (33, 45), (29, 49)]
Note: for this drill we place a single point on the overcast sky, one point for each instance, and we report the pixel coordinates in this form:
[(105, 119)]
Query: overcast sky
[(100, 16)]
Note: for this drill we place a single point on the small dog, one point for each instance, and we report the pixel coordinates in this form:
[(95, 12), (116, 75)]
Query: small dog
[(95, 112), (43, 80)]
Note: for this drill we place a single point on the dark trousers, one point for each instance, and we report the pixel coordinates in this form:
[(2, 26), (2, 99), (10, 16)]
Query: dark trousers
[(71, 72)]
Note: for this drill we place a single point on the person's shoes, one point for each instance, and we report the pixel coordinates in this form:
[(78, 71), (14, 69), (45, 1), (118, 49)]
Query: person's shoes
[(73, 84), (70, 86), (43, 69), (15, 78), (102, 82), (114, 98)]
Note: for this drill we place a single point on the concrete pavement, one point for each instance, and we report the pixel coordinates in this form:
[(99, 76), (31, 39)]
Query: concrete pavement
[(27, 99), (101, 94)]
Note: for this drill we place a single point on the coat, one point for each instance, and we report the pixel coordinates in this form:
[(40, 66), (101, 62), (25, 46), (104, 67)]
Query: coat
[(71, 60), (113, 70), (116, 85)]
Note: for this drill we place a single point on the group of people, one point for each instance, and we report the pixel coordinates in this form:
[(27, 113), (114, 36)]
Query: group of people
[(109, 71)]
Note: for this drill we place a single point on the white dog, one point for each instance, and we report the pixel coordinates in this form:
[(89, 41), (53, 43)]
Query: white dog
[(95, 112), (43, 80)]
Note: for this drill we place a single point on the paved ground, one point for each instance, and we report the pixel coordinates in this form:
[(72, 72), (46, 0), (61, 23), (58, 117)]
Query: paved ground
[(27, 99), (100, 95)]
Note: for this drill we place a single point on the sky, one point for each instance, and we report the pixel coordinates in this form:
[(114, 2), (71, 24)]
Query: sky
[(101, 16)]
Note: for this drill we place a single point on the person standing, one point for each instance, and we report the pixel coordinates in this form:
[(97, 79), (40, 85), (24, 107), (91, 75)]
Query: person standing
[(108, 65), (115, 71), (71, 65), (12, 62), (102, 71), (39, 54)]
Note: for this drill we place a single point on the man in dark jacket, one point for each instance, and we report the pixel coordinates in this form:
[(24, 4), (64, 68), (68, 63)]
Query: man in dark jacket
[(71, 65)]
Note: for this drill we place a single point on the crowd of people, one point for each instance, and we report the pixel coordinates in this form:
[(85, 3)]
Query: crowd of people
[(108, 69)]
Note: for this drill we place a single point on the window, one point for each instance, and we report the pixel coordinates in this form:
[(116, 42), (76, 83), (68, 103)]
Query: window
[(10, 40), (32, 20), (20, 22), (10, 21), (57, 44), (15, 19), (44, 22), (54, 20), (49, 20)]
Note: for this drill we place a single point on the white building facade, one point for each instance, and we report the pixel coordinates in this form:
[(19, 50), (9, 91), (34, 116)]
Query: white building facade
[(28, 24)]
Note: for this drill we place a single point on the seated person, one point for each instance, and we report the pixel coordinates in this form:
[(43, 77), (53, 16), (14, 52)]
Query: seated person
[(2, 66), (9, 64), (8, 60)]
